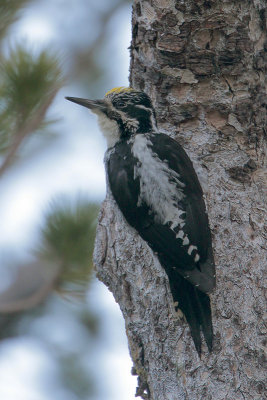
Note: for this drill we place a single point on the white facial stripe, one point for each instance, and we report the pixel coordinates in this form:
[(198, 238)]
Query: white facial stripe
[(130, 123), (160, 187), (143, 107), (110, 127), (152, 117)]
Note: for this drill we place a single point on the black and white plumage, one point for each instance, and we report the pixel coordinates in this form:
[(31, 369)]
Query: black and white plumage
[(157, 190)]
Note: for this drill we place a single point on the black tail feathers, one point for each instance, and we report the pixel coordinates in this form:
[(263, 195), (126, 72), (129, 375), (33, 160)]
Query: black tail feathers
[(195, 305)]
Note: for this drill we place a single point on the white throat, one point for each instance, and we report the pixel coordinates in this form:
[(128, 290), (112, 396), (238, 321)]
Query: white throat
[(109, 128)]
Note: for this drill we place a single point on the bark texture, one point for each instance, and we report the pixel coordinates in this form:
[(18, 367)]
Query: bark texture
[(203, 62)]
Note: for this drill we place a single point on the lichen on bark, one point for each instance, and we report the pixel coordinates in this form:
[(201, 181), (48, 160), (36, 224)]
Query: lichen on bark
[(203, 62)]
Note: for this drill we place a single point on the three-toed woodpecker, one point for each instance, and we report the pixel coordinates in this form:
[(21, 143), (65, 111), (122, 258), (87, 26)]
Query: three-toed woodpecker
[(157, 190)]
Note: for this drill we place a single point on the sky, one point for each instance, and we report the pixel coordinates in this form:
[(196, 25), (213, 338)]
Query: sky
[(73, 163)]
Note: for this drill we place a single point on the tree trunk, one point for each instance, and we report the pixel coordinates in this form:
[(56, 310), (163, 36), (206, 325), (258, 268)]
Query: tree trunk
[(204, 65)]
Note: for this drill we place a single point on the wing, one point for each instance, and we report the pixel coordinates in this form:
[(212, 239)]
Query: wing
[(125, 187), (196, 218)]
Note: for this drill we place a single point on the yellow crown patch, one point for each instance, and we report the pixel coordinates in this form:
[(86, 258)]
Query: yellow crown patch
[(119, 89)]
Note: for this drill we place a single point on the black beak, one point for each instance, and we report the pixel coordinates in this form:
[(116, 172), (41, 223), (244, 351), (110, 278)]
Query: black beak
[(92, 104)]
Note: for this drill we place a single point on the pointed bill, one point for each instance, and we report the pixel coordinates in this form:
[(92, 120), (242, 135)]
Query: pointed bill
[(91, 104)]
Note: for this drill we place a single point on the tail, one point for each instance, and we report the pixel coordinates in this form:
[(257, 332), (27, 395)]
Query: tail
[(195, 305)]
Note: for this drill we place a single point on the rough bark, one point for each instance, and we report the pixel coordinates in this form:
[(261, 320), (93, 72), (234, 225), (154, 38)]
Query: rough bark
[(204, 65)]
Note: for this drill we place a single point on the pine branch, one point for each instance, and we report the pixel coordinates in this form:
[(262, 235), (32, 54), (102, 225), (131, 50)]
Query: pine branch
[(30, 127), (68, 240), (63, 262), (27, 88)]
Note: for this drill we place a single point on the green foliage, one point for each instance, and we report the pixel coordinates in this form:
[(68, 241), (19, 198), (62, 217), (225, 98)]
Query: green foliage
[(68, 239), (28, 85), (9, 10)]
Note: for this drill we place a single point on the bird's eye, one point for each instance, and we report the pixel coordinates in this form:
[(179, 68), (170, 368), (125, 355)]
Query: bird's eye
[(121, 104)]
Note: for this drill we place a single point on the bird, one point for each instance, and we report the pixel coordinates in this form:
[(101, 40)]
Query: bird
[(156, 188)]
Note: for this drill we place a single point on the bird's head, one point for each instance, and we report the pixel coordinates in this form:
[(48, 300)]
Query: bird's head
[(122, 113)]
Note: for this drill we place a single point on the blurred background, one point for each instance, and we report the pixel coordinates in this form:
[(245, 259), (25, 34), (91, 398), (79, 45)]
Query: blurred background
[(61, 333)]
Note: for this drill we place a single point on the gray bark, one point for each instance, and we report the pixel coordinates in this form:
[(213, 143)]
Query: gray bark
[(204, 65)]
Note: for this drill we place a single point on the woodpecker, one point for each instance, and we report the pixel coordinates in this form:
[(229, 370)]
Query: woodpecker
[(158, 192)]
